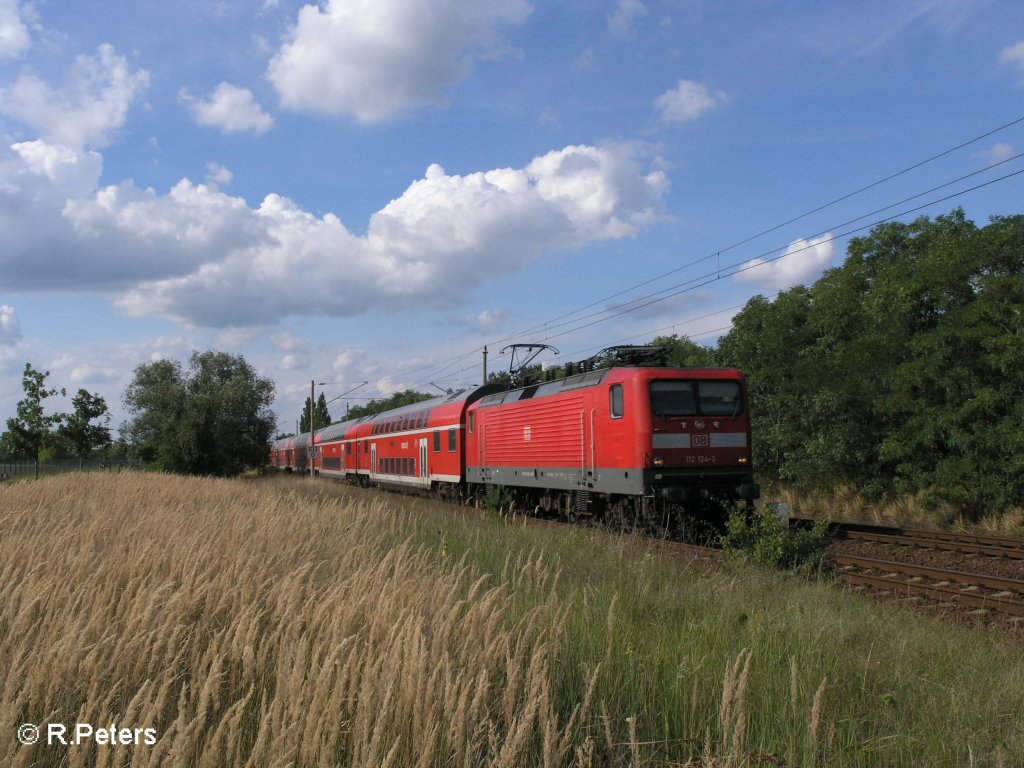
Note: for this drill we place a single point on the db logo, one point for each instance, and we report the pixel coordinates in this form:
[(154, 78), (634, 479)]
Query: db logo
[(701, 441), (527, 434)]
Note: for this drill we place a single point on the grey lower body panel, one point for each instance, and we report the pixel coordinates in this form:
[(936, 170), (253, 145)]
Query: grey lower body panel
[(627, 482)]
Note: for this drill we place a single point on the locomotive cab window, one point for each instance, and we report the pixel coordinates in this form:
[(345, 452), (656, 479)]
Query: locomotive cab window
[(617, 404), (451, 440), (720, 398), (472, 422), (696, 398), (673, 398)]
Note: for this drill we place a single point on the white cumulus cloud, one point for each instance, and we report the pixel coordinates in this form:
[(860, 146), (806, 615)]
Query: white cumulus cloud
[(10, 326), (61, 229), (438, 240), (623, 17), (87, 109), (14, 35), (292, 363), (91, 374), (374, 59), (230, 108), (688, 101), (998, 152), (802, 262), (217, 175), (204, 257), (1014, 54)]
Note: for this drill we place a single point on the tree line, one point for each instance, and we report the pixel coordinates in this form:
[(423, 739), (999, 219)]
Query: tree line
[(33, 431), (212, 417)]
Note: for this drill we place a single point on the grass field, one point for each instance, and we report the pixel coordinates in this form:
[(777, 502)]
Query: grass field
[(290, 622)]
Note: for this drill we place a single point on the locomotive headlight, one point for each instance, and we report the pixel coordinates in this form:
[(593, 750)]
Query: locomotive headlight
[(742, 460), (699, 423), (658, 461)]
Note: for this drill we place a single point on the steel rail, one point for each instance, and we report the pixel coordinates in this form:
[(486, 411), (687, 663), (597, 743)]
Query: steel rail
[(1008, 542), (912, 539), (998, 542), (932, 572), (895, 579)]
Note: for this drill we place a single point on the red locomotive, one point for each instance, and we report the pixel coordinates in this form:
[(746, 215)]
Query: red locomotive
[(638, 446)]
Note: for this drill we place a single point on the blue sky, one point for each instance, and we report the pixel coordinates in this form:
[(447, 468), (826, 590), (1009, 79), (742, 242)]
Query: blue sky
[(375, 189)]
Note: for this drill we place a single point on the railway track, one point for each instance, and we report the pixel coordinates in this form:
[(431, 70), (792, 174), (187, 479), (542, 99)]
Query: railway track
[(950, 588), (993, 546), (960, 573)]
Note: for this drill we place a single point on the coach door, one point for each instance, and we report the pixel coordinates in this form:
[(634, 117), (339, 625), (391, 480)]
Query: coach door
[(423, 458), (373, 459)]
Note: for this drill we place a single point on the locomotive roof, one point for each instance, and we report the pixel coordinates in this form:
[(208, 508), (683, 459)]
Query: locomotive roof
[(579, 381)]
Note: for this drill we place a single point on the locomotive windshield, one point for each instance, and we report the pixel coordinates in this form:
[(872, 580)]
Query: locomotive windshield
[(696, 398)]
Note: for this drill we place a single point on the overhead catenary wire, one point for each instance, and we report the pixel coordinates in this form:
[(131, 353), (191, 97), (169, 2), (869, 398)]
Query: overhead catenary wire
[(748, 265), (718, 269), (717, 253), (766, 257), (562, 321)]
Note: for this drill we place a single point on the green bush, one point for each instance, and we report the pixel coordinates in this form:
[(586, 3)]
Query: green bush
[(496, 499), (767, 540)]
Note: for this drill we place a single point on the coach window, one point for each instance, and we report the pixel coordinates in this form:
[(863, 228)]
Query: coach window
[(616, 401), (451, 440), (412, 467), (348, 448), (437, 442)]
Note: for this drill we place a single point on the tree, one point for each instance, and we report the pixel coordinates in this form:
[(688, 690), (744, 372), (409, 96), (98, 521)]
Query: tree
[(214, 419), (900, 371), (78, 429), (32, 429), (680, 351), (323, 416)]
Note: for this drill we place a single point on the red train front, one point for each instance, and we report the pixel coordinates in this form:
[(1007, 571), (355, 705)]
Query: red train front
[(634, 445)]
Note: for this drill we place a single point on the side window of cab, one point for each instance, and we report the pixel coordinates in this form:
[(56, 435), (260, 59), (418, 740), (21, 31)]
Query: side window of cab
[(616, 404)]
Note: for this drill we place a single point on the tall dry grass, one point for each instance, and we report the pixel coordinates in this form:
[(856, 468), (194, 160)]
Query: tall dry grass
[(299, 623), (251, 628), (919, 509)]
